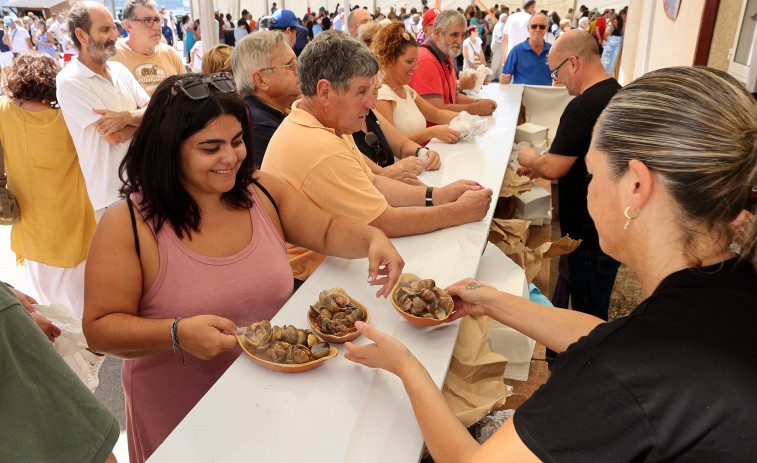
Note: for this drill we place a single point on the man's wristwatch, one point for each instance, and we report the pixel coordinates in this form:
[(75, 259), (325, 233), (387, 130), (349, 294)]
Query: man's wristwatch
[(429, 193), (418, 151)]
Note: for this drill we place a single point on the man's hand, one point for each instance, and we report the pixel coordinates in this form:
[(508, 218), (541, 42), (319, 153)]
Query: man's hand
[(526, 172), (112, 121), (505, 78), (451, 192), (526, 157), (50, 330), (482, 107), (405, 170), (467, 82), (473, 205)]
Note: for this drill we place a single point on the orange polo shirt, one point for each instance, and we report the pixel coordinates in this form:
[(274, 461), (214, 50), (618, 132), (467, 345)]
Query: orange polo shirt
[(326, 169)]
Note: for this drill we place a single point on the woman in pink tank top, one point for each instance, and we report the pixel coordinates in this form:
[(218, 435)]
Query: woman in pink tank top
[(200, 252)]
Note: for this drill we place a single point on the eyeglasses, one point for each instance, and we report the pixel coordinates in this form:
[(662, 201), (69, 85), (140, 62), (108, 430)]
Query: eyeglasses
[(538, 26), (553, 74), (148, 22), (198, 87), (292, 65), (380, 153)]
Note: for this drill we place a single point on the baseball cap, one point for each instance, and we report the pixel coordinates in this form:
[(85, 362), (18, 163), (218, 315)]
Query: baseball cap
[(284, 18), (430, 16), (7, 20)]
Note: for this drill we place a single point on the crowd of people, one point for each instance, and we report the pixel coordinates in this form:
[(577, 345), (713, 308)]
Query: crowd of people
[(153, 187)]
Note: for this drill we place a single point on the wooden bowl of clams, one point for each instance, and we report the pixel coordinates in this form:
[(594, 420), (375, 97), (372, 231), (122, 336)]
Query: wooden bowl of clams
[(420, 301), (286, 349), (333, 316)]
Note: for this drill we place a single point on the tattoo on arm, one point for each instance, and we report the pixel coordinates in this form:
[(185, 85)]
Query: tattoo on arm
[(474, 285)]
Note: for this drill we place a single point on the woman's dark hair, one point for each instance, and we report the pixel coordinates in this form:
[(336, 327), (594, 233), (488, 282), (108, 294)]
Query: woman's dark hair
[(32, 77), (152, 165)]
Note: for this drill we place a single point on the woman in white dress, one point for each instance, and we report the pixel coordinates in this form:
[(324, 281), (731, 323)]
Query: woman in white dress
[(397, 54), (472, 51)]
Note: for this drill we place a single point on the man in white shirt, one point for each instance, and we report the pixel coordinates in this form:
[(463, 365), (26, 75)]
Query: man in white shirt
[(57, 28), (516, 28), (101, 102), (143, 53), (17, 38), (498, 57)]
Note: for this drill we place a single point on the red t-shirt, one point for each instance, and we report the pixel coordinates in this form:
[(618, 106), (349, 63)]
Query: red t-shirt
[(601, 28), (432, 79)]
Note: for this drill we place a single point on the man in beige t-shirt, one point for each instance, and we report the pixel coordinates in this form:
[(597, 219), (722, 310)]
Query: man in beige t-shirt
[(143, 53)]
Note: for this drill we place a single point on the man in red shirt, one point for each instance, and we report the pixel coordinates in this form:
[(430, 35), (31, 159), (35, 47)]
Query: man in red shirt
[(601, 27), (436, 76)]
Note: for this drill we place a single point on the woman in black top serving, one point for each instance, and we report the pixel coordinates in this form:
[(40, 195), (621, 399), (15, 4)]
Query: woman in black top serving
[(673, 159)]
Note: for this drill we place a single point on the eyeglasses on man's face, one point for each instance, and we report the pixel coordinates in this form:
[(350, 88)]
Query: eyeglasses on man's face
[(553, 73), (538, 26), (148, 22), (292, 66)]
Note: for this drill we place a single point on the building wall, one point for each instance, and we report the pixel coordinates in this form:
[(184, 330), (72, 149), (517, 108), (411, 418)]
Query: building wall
[(724, 35), (653, 41)]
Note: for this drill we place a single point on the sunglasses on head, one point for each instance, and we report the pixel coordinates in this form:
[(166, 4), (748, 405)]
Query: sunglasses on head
[(538, 26), (373, 142), (198, 87)]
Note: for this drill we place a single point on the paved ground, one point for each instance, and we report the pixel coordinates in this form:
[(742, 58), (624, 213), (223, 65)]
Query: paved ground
[(109, 391)]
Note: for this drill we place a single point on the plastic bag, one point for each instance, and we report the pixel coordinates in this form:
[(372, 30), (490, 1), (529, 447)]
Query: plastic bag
[(71, 344), (469, 125), (480, 72)]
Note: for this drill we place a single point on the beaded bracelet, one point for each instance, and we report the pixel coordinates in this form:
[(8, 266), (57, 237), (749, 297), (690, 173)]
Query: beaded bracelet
[(175, 341)]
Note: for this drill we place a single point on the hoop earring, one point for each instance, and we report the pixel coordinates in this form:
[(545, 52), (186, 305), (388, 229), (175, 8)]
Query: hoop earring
[(625, 213)]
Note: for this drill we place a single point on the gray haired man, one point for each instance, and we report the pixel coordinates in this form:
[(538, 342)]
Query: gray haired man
[(436, 79), (265, 70), (313, 150)]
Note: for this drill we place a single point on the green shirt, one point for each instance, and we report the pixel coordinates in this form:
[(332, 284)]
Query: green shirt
[(46, 412)]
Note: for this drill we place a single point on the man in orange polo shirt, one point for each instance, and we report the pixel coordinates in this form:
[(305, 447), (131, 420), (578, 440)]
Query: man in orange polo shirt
[(313, 151)]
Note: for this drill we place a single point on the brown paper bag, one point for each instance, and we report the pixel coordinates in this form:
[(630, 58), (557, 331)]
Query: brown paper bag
[(474, 385), (510, 236), (513, 184)]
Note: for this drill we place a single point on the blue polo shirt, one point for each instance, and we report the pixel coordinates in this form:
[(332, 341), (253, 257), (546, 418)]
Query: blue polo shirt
[(526, 66)]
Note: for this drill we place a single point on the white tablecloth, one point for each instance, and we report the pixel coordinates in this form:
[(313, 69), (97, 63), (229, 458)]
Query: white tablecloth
[(342, 411)]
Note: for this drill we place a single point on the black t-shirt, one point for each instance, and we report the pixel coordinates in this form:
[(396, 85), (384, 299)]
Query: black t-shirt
[(674, 380), (371, 121), (573, 138), (265, 120)]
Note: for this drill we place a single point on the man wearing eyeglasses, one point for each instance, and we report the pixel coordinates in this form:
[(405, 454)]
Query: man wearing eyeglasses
[(590, 276), (101, 101), (265, 70), (143, 53), (527, 61)]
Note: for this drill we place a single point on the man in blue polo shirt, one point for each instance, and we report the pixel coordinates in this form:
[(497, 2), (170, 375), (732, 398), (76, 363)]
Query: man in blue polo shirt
[(527, 61)]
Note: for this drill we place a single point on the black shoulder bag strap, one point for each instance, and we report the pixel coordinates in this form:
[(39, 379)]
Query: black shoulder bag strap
[(133, 222), (262, 188), (444, 63)]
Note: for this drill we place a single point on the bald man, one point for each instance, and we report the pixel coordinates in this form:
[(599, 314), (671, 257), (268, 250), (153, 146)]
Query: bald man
[(574, 62), (527, 61), (358, 17)]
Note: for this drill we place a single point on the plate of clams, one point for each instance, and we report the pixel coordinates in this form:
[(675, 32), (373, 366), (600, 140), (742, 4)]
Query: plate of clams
[(334, 315), (420, 301), (284, 348)]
